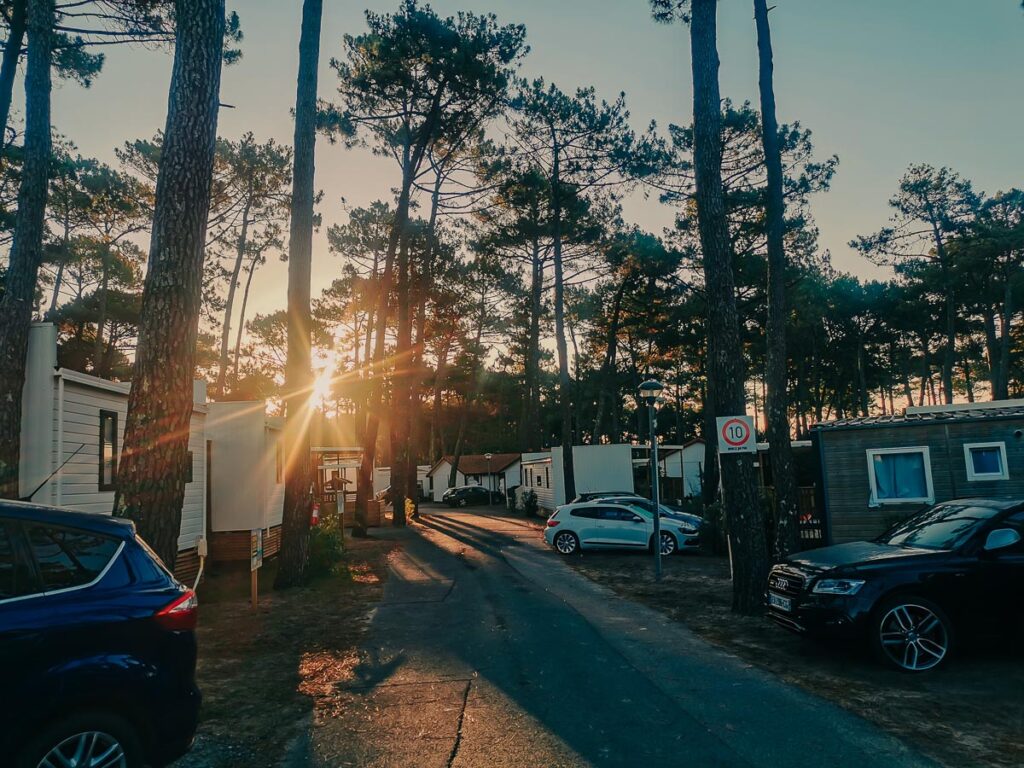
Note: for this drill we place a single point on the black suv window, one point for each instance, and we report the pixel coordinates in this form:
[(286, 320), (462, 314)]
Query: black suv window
[(15, 578), (590, 514), (67, 557)]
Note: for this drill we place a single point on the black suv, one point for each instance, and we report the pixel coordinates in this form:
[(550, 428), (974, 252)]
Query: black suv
[(956, 569), (97, 644)]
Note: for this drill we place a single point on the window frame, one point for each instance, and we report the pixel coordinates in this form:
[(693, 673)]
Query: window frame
[(111, 486), (976, 477), (924, 450)]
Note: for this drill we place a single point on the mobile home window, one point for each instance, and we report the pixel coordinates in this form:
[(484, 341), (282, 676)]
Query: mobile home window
[(547, 477), (900, 475), (108, 450), (190, 461), (278, 462), (986, 461)]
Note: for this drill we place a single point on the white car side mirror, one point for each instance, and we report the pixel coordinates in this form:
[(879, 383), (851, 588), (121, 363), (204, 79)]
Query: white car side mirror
[(1001, 538)]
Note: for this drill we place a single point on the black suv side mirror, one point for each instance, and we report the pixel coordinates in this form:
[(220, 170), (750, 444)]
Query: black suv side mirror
[(1001, 538)]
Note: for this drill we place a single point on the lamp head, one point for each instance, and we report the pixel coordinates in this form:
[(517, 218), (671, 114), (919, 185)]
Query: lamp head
[(650, 391), (488, 456)]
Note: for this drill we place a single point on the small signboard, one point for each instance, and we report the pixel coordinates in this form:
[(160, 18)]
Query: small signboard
[(255, 549), (736, 434), (255, 561)]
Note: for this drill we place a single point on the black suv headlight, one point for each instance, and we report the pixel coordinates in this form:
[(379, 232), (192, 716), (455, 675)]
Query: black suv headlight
[(837, 586)]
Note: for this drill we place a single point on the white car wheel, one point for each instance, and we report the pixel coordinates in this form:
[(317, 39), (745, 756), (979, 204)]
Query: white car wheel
[(567, 543)]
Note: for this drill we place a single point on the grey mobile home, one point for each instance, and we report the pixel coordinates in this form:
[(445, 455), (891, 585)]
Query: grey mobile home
[(877, 470)]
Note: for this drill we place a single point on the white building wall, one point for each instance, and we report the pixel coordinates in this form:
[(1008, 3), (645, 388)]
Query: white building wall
[(79, 447), (686, 462), (596, 468), (274, 493), (193, 511), (61, 434), (38, 413), (441, 475), (537, 476), (693, 468), (240, 463), (511, 476), (381, 479)]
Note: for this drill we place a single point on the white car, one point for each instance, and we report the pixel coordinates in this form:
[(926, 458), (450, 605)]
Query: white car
[(605, 524)]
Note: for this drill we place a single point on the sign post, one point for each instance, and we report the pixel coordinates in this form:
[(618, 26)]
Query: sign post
[(255, 562), (735, 435)]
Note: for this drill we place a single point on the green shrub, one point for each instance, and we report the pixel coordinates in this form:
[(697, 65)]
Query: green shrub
[(530, 506), (326, 548)]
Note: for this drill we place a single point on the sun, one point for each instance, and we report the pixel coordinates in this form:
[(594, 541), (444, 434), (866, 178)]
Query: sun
[(324, 371)]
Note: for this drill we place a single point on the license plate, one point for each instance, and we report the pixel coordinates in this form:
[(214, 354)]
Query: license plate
[(780, 602)]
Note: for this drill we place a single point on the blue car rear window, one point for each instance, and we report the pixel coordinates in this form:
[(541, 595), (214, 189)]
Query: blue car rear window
[(15, 579), (67, 557)]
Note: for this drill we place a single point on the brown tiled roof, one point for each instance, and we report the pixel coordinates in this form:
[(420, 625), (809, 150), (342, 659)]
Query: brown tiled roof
[(476, 464)]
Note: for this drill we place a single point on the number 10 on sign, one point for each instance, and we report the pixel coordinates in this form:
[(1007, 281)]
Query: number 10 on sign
[(736, 434)]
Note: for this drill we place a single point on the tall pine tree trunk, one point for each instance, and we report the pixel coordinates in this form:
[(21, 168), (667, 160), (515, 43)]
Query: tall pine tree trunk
[(777, 406), (1004, 344), (606, 377), (27, 248), (9, 63), (241, 321), (151, 477), (101, 317), (298, 475), (229, 304), (375, 365), (740, 497), (401, 387), (564, 382), (529, 428)]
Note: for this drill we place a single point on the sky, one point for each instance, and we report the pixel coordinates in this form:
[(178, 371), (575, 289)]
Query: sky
[(880, 83)]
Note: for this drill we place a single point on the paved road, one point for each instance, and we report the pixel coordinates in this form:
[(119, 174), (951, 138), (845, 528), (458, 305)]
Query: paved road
[(487, 650)]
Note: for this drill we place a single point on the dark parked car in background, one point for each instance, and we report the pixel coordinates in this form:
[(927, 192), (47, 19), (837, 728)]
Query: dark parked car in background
[(953, 571), (470, 495), (97, 644)]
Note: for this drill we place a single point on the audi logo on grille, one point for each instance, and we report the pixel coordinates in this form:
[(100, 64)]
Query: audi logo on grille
[(780, 583)]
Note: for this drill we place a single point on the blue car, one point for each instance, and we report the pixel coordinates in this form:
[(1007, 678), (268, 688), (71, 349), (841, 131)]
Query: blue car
[(97, 644)]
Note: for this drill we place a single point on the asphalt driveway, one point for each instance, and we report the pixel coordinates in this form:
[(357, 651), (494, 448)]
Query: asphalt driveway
[(487, 650)]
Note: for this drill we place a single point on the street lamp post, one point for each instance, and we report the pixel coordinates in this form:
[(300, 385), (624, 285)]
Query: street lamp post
[(490, 479), (650, 393)]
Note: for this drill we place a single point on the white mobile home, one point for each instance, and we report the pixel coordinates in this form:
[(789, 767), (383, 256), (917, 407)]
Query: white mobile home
[(382, 479), (71, 435), (682, 467), (499, 473), (535, 475), (246, 479), (595, 467)]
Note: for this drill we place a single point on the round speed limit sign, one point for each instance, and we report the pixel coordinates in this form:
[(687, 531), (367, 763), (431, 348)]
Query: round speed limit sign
[(736, 434)]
